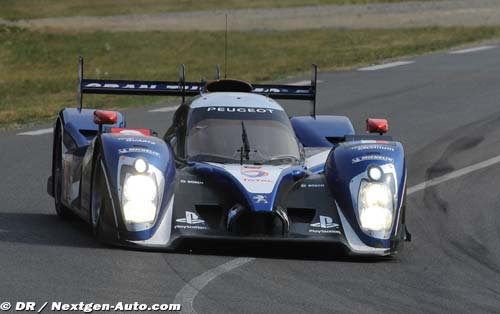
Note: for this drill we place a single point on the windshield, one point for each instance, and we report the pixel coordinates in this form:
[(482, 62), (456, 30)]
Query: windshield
[(247, 137)]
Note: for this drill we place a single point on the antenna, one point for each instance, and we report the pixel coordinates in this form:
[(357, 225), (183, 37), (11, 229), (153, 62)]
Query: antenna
[(182, 83), (314, 82), (217, 72), (225, 52), (80, 79)]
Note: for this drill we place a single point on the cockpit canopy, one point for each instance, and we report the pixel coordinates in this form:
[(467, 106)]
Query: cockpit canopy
[(251, 134)]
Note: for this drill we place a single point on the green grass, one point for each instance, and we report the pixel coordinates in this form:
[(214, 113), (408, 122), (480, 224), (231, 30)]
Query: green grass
[(25, 9), (38, 70)]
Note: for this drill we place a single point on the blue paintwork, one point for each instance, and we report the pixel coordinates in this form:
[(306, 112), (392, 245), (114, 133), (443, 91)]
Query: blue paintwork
[(75, 120), (162, 159), (317, 169), (340, 169), (313, 131)]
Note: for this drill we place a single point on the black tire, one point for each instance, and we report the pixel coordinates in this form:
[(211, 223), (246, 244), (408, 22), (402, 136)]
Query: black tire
[(97, 201), (402, 232), (61, 210)]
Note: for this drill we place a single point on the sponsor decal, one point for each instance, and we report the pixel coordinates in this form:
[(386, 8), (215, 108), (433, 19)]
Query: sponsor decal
[(136, 140), (138, 150), (192, 221), (372, 147), (123, 86), (260, 199), (192, 182), (372, 157), (258, 180), (143, 86), (325, 225), (240, 109), (324, 231), (131, 132), (281, 90), (254, 173), (312, 185), (255, 179), (325, 222)]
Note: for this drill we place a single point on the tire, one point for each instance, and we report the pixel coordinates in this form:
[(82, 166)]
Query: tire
[(98, 201), (402, 234), (61, 210)]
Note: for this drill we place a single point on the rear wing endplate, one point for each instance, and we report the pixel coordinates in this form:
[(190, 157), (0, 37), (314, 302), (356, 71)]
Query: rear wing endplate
[(183, 89)]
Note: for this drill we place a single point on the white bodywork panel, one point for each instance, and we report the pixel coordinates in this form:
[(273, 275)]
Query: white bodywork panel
[(235, 100)]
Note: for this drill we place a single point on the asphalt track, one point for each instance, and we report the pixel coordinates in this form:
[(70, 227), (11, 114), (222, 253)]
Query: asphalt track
[(443, 107)]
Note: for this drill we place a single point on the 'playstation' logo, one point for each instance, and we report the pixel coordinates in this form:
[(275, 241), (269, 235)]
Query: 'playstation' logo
[(325, 222), (191, 219)]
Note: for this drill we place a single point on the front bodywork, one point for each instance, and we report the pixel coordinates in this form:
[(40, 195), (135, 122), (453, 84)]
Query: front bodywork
[(240, 202)]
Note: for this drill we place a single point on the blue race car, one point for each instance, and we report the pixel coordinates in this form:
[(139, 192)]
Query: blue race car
[(232, 166)]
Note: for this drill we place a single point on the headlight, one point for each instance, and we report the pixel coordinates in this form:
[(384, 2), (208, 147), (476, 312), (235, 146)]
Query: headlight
[(375, 205), (375, 173), (139, 200), (141, 165)]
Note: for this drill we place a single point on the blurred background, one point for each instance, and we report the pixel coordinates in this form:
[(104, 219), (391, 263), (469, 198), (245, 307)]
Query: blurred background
[(40, 41), (443, 107)]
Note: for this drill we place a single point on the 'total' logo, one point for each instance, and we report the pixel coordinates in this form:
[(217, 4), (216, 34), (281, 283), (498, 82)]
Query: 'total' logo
[(254, 173)]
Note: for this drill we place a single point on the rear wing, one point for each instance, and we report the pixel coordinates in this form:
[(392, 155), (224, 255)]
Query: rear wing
[(183, 89)]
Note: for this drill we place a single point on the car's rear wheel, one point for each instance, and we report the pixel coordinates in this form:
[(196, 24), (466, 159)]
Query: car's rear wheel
[(61, 210)]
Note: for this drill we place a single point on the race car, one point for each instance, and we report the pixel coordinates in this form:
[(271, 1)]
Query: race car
[(232, 166)]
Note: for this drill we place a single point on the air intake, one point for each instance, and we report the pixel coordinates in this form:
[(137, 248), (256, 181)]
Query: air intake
[(229, 86)]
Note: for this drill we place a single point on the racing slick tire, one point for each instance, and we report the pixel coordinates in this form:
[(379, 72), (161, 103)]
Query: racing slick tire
[(97, 202), (61, 210)]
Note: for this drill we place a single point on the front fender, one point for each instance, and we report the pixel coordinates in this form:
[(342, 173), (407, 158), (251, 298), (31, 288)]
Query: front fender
[(118, 152), (347, 165)]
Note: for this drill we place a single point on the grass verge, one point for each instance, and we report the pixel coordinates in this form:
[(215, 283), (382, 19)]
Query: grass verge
[(38, 70), (26, 9)]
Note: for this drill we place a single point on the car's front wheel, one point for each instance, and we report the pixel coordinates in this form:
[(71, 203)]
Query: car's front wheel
[(97, 203), (61, 210)]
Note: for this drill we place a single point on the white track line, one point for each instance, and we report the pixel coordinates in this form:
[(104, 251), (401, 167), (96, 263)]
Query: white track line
[(454, 174), (186, 296), (304, 83), (468, 50), (385, 66), (38, 132), (164, 109), (188, 293)]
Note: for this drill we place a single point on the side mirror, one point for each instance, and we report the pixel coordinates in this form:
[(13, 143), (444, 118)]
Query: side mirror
[(102, 117), (105, 117), (377, 126)]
